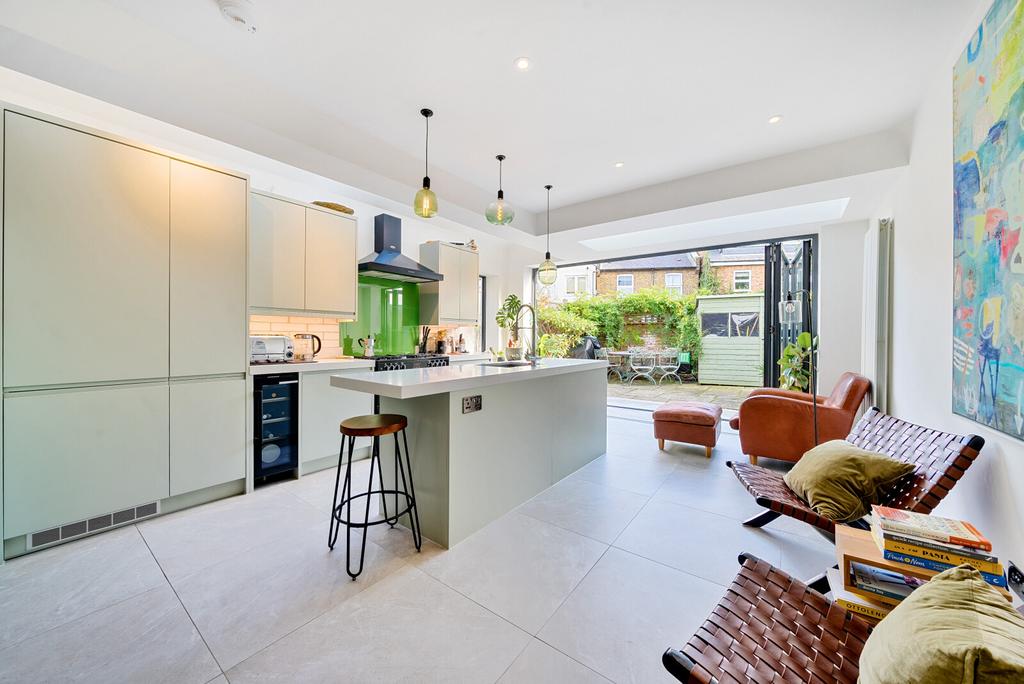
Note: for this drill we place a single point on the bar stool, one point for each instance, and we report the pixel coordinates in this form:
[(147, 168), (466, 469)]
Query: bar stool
[(375, 426)]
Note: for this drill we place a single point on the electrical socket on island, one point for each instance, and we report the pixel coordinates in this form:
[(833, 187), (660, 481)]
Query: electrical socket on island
[(472, 404)]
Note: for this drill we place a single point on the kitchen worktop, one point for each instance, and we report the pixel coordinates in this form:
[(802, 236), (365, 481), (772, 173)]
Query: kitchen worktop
[(421, 382), (356, 363), (315, 365)]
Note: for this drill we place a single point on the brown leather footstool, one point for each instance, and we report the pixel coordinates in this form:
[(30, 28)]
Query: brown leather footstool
[(692, 422)]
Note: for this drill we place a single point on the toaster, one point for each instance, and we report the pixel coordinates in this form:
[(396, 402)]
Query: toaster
[(271, 349)]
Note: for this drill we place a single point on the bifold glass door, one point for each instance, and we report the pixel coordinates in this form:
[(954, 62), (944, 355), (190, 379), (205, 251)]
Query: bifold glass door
[(791, 274)]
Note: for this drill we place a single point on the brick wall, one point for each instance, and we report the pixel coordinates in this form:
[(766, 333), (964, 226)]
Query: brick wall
[(324, 328), (606, 280)]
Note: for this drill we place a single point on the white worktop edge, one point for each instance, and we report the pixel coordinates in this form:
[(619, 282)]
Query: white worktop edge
[(421, 382)]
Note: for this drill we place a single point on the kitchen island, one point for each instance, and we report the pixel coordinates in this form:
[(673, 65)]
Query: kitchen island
[(534, 426)]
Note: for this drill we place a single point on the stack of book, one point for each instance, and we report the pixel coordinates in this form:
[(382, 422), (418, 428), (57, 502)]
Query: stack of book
[(869, 609), (933, 543)]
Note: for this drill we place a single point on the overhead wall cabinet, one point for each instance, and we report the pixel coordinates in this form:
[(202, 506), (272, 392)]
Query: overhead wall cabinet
[(453, 300), (302, 258), (124, 327)]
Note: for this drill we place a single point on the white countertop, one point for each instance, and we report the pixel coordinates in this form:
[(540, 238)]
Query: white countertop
[(315, 365), (420, 382)]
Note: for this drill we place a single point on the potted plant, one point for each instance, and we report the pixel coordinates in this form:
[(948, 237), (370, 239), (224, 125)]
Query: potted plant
[(795, 363), (507, 318)]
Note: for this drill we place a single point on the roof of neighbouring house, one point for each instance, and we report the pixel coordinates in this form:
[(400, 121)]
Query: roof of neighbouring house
[(664, 261), (726, 255)]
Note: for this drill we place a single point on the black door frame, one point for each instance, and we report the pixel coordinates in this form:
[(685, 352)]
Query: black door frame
[(777, 285)]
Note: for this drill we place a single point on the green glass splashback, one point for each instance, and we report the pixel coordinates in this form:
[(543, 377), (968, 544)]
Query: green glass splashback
[(390, 311)]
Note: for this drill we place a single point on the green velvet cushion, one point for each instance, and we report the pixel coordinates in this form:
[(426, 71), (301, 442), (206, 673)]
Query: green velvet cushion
[(841, 481), (955, 628)]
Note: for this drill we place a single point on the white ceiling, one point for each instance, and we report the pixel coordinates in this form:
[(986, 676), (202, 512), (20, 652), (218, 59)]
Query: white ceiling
[(672, 88)]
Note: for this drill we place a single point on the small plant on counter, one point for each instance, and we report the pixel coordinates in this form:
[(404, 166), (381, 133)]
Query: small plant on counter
[(794, 363), (507, 317)]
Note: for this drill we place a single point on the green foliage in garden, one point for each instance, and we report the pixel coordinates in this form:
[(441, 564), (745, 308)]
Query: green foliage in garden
[(619, 320), (561, 330)]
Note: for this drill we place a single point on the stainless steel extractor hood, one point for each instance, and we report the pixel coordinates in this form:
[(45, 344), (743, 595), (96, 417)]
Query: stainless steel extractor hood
[(387, 260)]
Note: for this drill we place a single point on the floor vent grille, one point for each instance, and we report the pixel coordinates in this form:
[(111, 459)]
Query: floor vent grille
[(83, 527)]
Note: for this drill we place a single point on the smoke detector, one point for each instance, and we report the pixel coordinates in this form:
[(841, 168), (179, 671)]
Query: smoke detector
[(239, 13)]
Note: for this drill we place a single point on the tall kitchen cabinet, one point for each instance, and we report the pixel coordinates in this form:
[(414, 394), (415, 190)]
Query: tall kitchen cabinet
[(124, 329), (454, 300), (302, 258)]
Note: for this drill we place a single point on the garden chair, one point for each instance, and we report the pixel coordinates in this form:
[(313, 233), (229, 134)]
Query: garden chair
[(668, 365), (770, 627), (643, 364)]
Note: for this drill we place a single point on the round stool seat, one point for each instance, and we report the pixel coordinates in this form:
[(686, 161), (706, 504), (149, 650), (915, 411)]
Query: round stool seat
[(373, 425)]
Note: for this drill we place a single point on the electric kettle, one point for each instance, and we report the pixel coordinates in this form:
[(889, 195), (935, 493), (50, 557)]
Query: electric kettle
[(307, 346)]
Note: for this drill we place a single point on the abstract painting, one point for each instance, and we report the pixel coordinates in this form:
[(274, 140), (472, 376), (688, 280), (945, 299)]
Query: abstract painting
[(988, 215)]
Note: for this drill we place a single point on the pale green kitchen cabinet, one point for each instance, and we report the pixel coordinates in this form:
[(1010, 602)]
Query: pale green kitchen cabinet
[(86, 257), (73, 454), (207, 300), (207, 433)]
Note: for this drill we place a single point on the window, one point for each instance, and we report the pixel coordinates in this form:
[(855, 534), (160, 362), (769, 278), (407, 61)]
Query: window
[(481, 330), (575, 284), (745, 324), (674, 283), (741, 281), (624, 283), (714, 324)]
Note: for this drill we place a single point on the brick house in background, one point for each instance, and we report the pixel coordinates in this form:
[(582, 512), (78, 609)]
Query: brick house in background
[(739, 269)]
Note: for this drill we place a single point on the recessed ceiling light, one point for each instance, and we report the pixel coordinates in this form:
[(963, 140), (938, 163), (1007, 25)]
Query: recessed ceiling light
[(522, 63), (619, 165), (239, 13), (775, 119)]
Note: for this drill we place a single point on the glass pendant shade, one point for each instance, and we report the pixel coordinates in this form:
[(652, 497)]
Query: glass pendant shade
[(500, 212), (547, 272), (425, 203)]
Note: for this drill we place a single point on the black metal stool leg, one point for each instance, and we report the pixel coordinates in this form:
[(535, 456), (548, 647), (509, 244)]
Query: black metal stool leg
[(332, 534), (383, 497), (374, 454), (414, 516)]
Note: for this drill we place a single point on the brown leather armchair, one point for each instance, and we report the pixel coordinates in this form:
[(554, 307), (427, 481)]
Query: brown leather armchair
[(777, 423)]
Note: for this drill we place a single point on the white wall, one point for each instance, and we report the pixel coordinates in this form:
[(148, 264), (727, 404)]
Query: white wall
[(992, 491), (500, 261), (841, 297)]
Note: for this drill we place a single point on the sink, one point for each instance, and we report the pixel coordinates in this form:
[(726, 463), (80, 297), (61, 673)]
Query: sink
[(506, 364)]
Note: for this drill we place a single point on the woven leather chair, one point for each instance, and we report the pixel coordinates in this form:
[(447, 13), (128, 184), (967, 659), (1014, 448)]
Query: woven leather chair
[(770, 627), (941, 459)]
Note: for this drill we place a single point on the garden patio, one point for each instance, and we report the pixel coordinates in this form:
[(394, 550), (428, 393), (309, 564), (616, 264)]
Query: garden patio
[(726, 396)]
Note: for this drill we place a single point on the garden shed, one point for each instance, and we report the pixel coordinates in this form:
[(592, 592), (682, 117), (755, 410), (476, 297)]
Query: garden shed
[(732, 339)]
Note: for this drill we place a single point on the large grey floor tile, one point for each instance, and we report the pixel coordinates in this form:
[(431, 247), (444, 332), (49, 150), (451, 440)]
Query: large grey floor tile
[(804, 557), (700, 543), (541, 664), (627, 611), (716, 490), (147, 638), (406, 628), (317, 489), (199, 537), (594, 510), (642, 476), (247, 602), (50, 588), (518, 567)]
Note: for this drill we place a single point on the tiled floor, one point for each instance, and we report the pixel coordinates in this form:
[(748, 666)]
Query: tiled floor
[(588, 582)]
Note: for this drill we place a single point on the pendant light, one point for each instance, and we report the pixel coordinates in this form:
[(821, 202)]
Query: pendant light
[(547, 272), (425, 204), (500, 212)]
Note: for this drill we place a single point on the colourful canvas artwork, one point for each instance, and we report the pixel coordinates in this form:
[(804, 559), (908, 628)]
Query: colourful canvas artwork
[(988, 215)]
